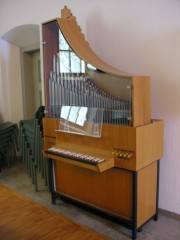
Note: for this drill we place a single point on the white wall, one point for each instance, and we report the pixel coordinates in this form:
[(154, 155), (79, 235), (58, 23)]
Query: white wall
[(137, 36), (10, 82)]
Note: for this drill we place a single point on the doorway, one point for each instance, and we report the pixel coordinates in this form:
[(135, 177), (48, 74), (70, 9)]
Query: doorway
[(32, 83)]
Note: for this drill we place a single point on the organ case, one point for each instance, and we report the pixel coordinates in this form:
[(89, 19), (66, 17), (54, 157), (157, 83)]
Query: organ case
[(125, 184), (129, 95)]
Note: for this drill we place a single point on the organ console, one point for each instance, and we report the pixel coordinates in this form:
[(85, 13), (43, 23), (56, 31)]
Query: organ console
[(102, 145)]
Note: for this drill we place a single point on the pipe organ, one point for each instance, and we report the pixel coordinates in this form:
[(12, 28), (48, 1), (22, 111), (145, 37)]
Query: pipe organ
[(102, 145), (74, 89)]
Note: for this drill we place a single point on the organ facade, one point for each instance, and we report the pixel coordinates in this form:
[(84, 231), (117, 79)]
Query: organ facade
[(102, 145)]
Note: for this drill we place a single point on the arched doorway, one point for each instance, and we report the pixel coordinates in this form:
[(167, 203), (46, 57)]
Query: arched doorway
[(27, 38)]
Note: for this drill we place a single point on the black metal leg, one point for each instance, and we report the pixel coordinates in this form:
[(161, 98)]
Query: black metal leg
[(155, 217), (134, 230), (51, 182), (157, 192), (53, 198), (134, 234)]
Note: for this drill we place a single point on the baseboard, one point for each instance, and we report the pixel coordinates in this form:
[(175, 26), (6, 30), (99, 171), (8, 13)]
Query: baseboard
[(169, 214)]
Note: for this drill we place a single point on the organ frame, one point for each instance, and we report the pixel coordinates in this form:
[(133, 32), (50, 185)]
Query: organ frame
[(124, 189), (140, 85)]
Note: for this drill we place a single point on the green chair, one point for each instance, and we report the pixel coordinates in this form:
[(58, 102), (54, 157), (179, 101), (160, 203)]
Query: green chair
[(30, 142), (8, 142)]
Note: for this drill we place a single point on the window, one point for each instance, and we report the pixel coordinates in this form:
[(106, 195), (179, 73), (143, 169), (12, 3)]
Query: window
[(69, 61)]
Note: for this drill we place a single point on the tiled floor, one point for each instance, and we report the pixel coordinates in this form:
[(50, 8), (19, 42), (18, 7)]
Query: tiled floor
[(17, 178)]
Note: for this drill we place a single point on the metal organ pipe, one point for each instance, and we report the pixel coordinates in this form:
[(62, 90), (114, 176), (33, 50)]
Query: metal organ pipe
[(73, 89)]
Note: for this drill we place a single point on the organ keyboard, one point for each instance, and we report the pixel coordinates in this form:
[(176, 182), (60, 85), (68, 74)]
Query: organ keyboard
[(102, 145), (75, 156), (85, 157)]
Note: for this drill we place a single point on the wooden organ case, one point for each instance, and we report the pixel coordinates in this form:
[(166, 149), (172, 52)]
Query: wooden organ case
[(102, 145)]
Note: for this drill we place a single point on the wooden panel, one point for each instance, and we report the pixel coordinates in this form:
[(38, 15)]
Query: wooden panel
[(149, 143), (129, 164), (146, 142), (110, 190), (113, 136), (49, 142), (81, 47), (125, 138), (50, 125), (105, 142), (141, 106), (146, 195)]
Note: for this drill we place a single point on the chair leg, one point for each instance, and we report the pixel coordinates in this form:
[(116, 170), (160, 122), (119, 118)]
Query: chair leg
[(20, 139), (29, 169), (35, 176), (26, 155), (46, 164), (8, 156), (23, 148)]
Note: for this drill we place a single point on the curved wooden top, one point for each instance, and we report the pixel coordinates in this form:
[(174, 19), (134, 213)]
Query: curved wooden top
[(76, 40)]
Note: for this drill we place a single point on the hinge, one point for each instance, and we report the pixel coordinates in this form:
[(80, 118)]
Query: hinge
[(43, 42)]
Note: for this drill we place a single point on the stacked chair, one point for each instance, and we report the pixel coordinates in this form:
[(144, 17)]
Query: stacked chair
[(31, 144), (8, 142)]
